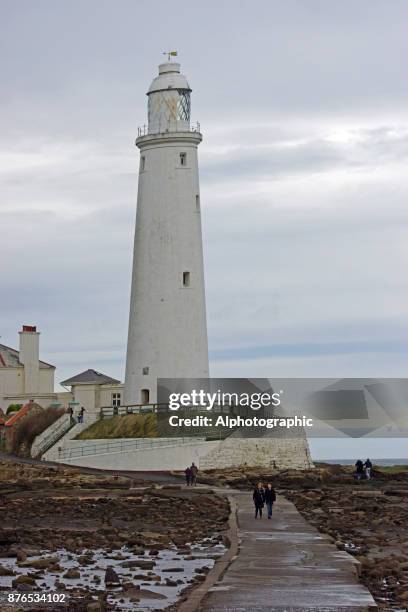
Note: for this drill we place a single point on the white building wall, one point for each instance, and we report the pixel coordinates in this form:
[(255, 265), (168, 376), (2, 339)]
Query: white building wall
[(94, 397), (46, 380), (85, 395), (173, 457), (11, 382), (106, 391)]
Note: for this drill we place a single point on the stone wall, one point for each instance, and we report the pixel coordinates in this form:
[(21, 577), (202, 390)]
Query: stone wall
[(282, 453)]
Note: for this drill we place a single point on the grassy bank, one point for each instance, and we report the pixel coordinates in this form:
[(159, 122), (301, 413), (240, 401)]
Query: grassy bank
[(129, 426)]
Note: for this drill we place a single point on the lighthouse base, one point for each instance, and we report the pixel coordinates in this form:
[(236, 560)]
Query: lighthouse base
[(277, 453)]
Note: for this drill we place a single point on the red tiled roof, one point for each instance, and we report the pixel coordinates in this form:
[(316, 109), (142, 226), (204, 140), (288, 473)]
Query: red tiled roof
[(17, 415)]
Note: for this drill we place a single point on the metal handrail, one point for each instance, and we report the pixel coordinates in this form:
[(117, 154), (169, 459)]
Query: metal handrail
[(109, 411), (60, 431), (124, 445), (124, 409), (172, 126)]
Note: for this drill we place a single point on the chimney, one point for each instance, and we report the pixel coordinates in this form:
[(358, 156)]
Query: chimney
[(30, 357)]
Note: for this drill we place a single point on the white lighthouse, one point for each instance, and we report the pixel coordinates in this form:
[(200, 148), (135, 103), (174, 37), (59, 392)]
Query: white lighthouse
[(167, 324)]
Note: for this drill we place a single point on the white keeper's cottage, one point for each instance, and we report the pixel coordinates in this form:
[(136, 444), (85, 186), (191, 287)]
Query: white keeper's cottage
[(23, 376)]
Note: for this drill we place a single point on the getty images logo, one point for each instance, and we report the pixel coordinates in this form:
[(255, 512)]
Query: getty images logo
[(207, 401)]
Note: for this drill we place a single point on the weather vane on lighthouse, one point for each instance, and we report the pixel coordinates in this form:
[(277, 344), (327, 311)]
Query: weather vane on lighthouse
[(170, 54)]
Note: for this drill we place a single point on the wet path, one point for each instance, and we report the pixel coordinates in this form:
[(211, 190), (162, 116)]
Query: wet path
[(285, 564)]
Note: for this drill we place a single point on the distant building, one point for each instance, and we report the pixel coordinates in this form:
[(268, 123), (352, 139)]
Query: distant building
[(23, 376), (94, 391)]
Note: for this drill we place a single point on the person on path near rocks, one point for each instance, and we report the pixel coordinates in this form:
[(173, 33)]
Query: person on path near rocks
[(368, 465), (71, 413), (194, 472), (187, 472), (259, 499), (81, 415), (270, 498), (359, 469)]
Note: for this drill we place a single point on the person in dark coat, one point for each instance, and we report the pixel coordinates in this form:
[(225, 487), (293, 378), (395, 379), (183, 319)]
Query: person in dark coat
[(194, 472), (270, 498), (367, 466), (359, 469), (259, 500), (187, 472)]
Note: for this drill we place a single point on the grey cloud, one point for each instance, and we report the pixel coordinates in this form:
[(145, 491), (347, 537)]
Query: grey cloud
[(304, 235)]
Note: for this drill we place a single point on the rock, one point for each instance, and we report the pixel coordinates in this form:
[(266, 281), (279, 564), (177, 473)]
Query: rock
[(137, 549), (43, 563), (173, 569), (142, 563), (155, 536), (128, 586), (85, 560), (23, 580), (21, 555), (146, 594), (94, 606), (58, 585), (368, 493), (170, 582), (111, 577), (5, 571), (72, 574), (24, 587)]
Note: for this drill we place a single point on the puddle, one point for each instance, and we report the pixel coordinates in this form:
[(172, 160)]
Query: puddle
[(179, 567)]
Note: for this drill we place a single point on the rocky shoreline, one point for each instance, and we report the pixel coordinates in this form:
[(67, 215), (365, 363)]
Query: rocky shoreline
[(109, 542), (127, 543)]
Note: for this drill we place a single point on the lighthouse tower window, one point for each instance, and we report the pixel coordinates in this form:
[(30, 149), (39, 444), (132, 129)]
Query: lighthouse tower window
[(186, 279), (183, 159), (183, 106), (142, 163)]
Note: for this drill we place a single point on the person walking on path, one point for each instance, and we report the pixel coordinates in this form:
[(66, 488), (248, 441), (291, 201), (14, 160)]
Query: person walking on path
[(368, 465), (359, 469), (259, 499), (194, 472), (270, 498), (187, 472)]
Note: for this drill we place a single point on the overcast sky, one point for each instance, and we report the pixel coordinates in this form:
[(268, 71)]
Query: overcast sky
[(304, 182)]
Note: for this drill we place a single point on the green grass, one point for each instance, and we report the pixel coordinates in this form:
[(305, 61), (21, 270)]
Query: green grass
[(391, 469), (128, 426)]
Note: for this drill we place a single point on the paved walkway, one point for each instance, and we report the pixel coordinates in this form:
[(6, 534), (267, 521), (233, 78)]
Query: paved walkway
[(285, 564)]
